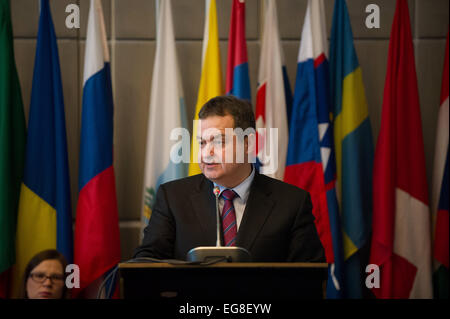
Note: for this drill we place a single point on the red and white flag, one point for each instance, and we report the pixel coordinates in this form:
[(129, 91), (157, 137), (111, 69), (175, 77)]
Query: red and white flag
[(401, 243), (270, 99)]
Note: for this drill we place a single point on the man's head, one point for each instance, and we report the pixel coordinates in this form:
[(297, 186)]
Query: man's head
[(224, 154)]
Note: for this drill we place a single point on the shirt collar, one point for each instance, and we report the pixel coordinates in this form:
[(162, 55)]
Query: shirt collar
[(243, 189)]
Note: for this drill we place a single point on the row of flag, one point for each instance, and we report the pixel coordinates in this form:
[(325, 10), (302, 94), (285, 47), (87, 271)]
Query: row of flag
[(35, 206), (324, 135), (362, 203)]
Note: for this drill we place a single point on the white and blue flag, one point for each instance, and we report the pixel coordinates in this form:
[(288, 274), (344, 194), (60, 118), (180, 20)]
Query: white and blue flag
[(167, 112)]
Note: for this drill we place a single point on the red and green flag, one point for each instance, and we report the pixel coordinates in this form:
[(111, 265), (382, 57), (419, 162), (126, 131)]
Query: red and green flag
[(12, 146)]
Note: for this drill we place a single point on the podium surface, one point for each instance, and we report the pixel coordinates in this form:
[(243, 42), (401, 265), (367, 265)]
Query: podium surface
[(223, 281)]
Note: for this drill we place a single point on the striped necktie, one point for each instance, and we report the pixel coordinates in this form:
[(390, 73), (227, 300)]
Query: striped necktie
[(229, 218)]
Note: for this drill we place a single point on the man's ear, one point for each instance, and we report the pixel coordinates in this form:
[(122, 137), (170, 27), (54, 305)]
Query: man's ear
[(250, 144)]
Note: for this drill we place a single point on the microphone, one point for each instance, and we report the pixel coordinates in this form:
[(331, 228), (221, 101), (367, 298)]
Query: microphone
[(229, 253)]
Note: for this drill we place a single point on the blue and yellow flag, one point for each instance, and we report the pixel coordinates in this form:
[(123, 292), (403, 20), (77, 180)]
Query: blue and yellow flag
[(353, 145), (44, 217)]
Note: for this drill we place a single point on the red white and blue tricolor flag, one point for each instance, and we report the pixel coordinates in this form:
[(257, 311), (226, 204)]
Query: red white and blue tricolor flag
[(238, 81), (440, 199), (97, 245), (311, 161)]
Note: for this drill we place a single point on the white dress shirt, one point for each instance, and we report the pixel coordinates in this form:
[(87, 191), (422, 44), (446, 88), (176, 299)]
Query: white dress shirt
[(239, 202)]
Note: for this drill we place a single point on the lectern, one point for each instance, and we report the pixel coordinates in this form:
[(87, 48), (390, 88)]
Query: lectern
[(217, 282)]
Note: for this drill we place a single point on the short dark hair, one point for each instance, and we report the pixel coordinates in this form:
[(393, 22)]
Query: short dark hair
[(49, 254), (240, 110)]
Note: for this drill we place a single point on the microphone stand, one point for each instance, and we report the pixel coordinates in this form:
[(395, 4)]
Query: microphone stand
[(229, 253), (218, 223)]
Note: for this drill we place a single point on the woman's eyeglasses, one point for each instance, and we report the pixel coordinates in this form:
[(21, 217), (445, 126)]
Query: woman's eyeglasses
[(41, 277)]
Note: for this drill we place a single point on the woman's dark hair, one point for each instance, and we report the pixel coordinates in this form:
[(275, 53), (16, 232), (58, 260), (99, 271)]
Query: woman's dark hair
[(240, 110), (50, 254)]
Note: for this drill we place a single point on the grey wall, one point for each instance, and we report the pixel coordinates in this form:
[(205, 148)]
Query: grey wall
[(133, 55)]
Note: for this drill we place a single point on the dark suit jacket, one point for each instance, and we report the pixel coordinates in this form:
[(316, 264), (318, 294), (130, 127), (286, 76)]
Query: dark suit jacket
[(277, 225)]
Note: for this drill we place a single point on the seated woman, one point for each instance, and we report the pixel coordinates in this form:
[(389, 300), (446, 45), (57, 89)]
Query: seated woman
[(45, 276)]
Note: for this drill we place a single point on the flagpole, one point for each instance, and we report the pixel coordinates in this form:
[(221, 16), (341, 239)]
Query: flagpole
[(262, 16), (156, 17), (113, 45)]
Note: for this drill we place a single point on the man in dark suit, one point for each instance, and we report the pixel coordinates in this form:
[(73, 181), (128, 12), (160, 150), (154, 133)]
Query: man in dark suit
[(271, 219)]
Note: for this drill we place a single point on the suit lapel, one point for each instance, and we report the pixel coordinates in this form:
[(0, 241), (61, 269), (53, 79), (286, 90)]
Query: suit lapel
[(204, 204), (258, 208)]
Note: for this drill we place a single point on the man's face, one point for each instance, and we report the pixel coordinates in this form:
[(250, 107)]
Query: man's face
[(214, 142)]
